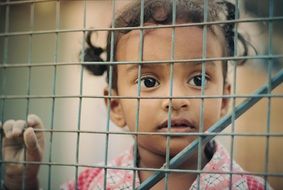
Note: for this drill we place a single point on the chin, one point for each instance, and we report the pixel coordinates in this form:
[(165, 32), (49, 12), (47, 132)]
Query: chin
[(178, 144)]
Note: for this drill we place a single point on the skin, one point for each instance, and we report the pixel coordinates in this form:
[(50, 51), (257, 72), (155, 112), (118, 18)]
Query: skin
[(155, 82), (17, 135), (153, 117)]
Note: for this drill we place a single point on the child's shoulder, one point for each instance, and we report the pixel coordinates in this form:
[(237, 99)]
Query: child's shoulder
[(117, 173), (257, 183), (218, 173)]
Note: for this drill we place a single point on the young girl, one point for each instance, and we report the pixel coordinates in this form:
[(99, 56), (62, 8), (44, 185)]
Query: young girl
[(165, 53)]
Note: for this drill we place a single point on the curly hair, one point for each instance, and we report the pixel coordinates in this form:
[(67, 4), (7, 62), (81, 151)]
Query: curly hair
[(160, 12)]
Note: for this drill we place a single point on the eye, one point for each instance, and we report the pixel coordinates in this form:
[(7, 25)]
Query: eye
[(197, 81), (148, 82)]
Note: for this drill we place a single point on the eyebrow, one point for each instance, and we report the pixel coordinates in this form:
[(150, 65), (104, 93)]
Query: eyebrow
[(207, 64), (149, 65)]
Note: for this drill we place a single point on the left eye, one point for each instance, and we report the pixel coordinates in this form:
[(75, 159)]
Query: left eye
[(149, 82), (197, 81)]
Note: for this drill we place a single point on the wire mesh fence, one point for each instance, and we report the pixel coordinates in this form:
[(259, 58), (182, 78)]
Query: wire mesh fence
[(43, 72)]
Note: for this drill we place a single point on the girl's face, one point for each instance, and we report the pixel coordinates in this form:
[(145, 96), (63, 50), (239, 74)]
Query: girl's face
[(155, 82)]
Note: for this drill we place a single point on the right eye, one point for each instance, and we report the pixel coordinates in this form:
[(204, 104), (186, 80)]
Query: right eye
[(149, 82)]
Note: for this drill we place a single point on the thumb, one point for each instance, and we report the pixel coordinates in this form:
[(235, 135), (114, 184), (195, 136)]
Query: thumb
[(34, 152)]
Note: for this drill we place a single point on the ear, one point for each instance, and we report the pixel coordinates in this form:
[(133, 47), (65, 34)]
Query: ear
[(225, 101), (116, 111)]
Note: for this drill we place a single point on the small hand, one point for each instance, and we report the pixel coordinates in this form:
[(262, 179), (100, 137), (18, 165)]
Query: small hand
[(22, 143)]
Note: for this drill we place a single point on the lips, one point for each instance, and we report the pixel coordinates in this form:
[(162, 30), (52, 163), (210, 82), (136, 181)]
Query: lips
[(177, 125)]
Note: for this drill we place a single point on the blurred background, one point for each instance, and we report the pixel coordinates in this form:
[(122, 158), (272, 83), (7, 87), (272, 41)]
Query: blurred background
[(30, 40)]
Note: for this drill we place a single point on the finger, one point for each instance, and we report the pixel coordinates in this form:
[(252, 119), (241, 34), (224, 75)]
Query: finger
[(32, 145), (18, 128), (8, 127), (34, 121)]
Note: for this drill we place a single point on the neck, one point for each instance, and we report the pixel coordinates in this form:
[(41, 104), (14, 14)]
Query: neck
[(176, 180)]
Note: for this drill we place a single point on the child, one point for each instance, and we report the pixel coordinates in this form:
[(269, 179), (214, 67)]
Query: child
[(154, 81)]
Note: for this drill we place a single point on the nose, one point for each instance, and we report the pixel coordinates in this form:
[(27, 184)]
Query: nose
[(177, 104), (179, 91)]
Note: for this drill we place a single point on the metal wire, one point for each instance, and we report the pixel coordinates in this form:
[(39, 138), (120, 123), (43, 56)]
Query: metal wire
[(217, 127), (53, 93), (3, 78), (234, 91), (141, 47), (270, 67), (246, 134), (110, 93), (253, 20), (138, 97), (203, 78), (80, 101), (203, 137), (238, 58), (28, 87), (145, 169)]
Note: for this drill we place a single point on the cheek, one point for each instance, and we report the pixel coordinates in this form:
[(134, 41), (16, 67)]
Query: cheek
[(212, 112), (129, 107), (147, 111), (132, 107)]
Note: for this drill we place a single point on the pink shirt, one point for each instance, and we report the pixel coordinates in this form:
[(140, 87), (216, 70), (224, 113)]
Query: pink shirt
[(117, 179)]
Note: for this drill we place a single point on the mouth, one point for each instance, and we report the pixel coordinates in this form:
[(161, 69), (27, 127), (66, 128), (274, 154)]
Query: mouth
[(177, 126)]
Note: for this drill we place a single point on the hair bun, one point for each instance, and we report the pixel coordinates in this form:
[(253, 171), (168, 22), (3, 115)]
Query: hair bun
[(93, 54)]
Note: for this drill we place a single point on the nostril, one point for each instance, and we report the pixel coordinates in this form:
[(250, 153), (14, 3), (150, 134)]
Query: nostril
[(175, 104), (184, 105)]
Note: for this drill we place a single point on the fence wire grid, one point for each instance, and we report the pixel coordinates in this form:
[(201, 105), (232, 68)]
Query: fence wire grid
[(42, 72)]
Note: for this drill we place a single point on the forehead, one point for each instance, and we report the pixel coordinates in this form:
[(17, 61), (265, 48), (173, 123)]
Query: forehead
[(164, 44)]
